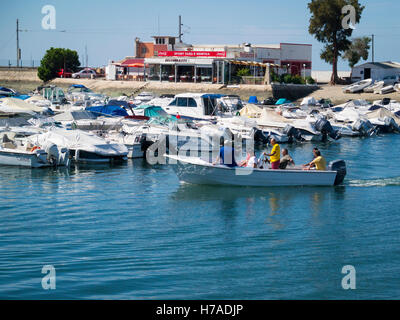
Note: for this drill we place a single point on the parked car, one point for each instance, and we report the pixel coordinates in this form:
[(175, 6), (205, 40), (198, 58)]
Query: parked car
[(85, 73), (64, 74)]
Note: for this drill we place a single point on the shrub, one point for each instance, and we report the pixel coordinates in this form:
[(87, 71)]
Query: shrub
[(310, 80), (56, 59), (243, 72)]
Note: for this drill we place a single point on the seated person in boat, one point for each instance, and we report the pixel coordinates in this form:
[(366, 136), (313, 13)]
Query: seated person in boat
[(226, 155), (251, 161), (275, 155), (308, 164), (319, 162), (286, 160)]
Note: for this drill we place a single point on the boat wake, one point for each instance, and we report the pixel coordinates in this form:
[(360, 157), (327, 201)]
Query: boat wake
[(395, 181)]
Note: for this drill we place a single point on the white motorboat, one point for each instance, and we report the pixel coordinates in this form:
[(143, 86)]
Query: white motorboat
[(194, 105), (21, 152), (143, 98), (198, 171), (230, 104), (132, 142), (374, 86), (385, 90), (78, 92), (83, 146), (177, 136), (13, 106), (358, 86)]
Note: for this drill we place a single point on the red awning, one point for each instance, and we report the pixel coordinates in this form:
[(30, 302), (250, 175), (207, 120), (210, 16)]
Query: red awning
[(133, 63)]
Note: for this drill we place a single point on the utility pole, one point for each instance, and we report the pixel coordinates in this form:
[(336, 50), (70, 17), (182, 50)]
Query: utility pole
[(86, 56), (18, 50), (373, 48), (180, 29)]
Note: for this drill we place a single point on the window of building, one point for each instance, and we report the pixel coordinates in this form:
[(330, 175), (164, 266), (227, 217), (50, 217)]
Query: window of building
[(144, 50)]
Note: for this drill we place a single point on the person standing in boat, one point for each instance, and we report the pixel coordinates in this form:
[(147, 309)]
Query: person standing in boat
[(319, 162), (226, 155), (275, 155)]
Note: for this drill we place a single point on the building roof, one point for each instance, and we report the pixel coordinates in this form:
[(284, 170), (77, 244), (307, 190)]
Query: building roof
[(164, 37), (383, 65)]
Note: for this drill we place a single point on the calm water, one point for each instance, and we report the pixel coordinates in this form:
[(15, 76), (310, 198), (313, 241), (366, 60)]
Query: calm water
[(133, 232)]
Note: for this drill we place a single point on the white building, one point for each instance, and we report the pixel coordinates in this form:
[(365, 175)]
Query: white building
[(375, 70), (218, 63)]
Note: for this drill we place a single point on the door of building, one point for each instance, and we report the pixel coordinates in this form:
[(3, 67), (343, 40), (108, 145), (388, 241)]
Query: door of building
[(367, 73)]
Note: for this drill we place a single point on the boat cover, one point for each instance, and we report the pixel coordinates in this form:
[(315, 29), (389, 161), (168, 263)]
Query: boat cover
[(253, 99), (115, 111), (79, 140), (382, 113), (282, 101), (251, 111), (12, 105)]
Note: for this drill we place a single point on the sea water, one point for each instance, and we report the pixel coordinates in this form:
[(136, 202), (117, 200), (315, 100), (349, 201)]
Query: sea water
[(132, 231)]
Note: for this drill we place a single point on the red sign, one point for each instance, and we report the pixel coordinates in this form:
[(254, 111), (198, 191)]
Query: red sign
[(196, 54)]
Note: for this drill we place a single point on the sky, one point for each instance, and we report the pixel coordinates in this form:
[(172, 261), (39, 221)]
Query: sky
[(108, 28)]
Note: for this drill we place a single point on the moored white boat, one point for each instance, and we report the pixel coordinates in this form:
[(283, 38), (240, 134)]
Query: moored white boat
[(21, 152), (198, 171)]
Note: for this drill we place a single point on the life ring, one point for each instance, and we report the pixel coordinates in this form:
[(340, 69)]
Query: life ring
[(35, 148)]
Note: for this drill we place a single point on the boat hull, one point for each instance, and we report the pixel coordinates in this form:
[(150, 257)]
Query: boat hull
[(222, 175), (30, 160)]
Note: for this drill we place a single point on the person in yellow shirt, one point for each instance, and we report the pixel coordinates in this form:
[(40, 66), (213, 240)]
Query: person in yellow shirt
[(275, 155), (319, 162)]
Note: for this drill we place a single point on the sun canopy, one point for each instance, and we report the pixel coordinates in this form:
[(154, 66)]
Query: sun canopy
[(114, 111)]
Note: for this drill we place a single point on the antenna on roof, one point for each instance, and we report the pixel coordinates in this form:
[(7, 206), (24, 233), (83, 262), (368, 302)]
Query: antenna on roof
[(180, 29), (373, 48)]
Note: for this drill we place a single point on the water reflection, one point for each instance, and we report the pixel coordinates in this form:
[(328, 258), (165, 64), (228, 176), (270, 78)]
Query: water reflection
[(273, 202)]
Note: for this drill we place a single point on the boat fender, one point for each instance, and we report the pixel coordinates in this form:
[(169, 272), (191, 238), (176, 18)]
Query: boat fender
[(340, 167)]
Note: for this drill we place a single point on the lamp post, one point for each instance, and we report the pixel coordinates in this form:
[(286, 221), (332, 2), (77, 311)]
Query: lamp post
[(254, 61), (304, 70)]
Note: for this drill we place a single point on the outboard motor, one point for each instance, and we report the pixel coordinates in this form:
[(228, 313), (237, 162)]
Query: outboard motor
[(292, 132), (391, 125), (386, 101), (365, 127), (56, 155), (259, 136), (340, 167), (144, 143), (324, 126)]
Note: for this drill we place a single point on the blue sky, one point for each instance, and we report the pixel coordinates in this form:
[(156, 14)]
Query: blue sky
[(109, 28)]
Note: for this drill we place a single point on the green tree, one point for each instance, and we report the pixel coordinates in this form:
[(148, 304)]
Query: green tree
[(56, 59), (326, 25), (358, 49), (243, 72)]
